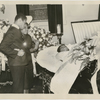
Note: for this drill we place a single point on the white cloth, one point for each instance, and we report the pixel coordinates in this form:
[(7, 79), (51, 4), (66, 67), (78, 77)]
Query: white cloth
[(14, 25), (50, 59), (33, 62), (65, 77), (47, 59)]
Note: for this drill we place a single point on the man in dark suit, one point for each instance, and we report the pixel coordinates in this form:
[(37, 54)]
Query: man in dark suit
[(12, 47)]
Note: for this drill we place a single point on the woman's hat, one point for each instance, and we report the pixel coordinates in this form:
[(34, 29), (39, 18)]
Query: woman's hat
[(29, 19)]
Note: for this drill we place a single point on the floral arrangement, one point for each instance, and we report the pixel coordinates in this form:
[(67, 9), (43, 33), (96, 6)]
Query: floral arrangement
[(4, 26), (84, 52), (2, 8), (45, 38)]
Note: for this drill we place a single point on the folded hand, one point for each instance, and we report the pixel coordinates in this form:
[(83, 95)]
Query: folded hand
[(20, 52)]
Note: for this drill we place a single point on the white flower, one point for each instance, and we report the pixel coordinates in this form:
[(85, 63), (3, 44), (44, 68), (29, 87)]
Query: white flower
[(37, 32), (32, 24), (5, 28), (37, 36), (48, 44), (81, 53), (29, 32), (92, 58), (40, 40), (44, 47), (40, 45), (88, 44), (42, 31), (44, 38), (35, 28), (84, 56), (33, 31), (75, 51), (31, 28), (43, 35)]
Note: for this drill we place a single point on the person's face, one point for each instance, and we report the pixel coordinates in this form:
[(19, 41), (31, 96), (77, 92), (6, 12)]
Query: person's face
[(63, 48), (25, 29), (22, 23)]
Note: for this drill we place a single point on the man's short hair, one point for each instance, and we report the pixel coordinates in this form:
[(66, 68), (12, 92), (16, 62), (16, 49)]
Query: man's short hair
[(20, 15)]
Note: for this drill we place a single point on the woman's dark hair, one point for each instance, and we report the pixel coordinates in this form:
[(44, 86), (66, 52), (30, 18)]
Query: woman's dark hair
[(20, 15), (27, 25)]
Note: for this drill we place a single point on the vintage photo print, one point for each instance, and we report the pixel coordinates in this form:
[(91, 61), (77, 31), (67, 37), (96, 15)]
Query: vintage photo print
[(49, 49)]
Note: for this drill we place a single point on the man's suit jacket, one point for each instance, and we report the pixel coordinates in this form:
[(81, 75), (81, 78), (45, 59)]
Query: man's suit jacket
[(13, 39)]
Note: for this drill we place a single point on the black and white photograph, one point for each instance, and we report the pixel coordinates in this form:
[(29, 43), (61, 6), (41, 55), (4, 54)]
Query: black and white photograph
[(48, 48)]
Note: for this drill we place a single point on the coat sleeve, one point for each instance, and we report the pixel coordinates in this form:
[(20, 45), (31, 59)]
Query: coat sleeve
[(5, 46)]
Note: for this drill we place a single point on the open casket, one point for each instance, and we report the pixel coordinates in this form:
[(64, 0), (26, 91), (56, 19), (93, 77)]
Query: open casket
[(55, 72), (67, 78), (88, 29)]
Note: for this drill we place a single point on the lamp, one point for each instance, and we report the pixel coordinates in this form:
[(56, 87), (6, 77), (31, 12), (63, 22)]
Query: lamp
[(59, 33), (2, 8)]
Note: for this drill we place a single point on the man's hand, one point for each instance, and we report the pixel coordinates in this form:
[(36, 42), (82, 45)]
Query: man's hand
[(20, 52)]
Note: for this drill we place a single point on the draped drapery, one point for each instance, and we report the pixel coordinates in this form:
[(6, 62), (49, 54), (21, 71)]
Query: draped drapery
[(23, 9), (54, 17), (99, 13)]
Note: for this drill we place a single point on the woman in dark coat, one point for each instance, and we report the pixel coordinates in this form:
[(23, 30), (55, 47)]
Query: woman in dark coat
[(31, 45)]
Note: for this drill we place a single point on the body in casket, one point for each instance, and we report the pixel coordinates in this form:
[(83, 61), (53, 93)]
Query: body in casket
[(48, 68)]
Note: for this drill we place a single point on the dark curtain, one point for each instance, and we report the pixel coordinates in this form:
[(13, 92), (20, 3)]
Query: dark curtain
[(55, 17), (23, 9), (99, 13)]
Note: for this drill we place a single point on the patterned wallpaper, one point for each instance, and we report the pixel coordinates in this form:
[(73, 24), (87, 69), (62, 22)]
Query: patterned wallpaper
[(39, 12)]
